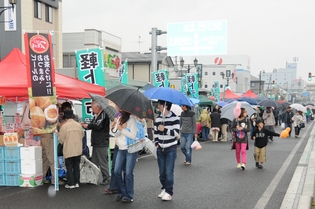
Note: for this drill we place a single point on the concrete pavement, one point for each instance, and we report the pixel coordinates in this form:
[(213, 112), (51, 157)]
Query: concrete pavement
[(300, 192)]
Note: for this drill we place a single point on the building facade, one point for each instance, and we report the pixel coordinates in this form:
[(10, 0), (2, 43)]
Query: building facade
[(31, 16)]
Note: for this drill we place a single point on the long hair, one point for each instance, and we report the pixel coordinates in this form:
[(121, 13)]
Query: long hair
[(242, 112), (124, 117)]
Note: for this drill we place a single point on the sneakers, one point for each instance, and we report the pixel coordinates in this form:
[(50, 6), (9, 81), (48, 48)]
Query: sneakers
[(126, 200), (166, 197), (76, 185), (243, 166), (60, 182), (238, 165), (257, 164), (105, 182), (162, 193), (69, 187), (260, 167), (110, 191), (118, 198)]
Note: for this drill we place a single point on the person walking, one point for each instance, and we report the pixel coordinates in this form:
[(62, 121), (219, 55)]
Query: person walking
[(287, 119), (70, 135), (125, 161), (297, 120), (269, 120), (224, 125), (100, 140), (308, 115), (240, 129), (215, 125), (166, 131), (260, 135), (204, 120), (187, 132)]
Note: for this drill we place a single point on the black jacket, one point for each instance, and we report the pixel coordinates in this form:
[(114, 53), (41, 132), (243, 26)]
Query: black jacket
[(262, 137), (215, 120), (100, 130)]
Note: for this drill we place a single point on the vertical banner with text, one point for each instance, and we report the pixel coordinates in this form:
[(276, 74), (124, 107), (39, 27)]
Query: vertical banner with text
[(123, 72), (90, 69), (41, 79), (192, 84), (160, 78)]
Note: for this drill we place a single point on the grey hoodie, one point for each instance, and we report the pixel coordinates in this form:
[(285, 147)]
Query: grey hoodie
[(188, 122)]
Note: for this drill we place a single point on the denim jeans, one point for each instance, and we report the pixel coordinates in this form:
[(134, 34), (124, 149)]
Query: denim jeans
[(185, 142), (113, 184), (125, 161), (166, 160), (73, 170), (205, 133)]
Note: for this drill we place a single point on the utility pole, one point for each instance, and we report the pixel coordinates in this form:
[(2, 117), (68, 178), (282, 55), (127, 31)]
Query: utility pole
[(154, 48)]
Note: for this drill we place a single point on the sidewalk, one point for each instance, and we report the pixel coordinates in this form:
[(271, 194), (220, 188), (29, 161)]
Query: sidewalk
[(300, 192)]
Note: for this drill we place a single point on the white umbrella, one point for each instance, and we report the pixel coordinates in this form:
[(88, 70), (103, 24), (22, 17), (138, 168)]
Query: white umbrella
[(227, 110), (176, 109), (298, 107)]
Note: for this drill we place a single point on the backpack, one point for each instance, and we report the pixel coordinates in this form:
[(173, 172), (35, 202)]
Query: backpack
[(140, 134)]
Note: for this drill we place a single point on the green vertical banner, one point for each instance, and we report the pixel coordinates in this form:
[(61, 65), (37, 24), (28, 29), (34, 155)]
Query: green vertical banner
[(123, 72), (217, 90), (160, 78), (183, 84), (192, 84), (90, 69)]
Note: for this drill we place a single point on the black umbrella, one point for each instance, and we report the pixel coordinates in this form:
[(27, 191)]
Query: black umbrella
[(108, 109), (283, 105), (132, 101), (268, 103)]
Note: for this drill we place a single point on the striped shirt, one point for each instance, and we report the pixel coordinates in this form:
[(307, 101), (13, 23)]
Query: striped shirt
[(168, 137)]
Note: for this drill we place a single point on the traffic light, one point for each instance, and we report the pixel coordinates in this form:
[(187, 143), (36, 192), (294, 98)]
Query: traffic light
[(309, 76), (273, 83)]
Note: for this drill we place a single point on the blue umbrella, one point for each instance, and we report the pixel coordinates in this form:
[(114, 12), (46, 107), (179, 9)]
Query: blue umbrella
[(169, 95), (251, 101), (194, 100), (222, 103)]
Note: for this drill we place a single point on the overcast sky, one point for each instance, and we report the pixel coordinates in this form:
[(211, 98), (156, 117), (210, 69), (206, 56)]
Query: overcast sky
[(271, 32)]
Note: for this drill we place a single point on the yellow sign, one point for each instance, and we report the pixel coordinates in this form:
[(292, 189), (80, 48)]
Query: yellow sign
[(173, 86)]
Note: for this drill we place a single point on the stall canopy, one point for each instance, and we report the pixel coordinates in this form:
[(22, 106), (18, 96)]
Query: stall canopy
[(229, 95), (13, 81), (249, 93)]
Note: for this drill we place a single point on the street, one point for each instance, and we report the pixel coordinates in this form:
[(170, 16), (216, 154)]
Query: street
[(211, 181)]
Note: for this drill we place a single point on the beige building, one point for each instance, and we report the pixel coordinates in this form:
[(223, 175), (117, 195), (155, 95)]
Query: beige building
[(31, 16)]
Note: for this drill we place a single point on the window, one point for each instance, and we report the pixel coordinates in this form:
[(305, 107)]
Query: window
[(48, 14), (252, 84), (206, 73), (213, 73), (206, 86), (37, 10), (221, 86)]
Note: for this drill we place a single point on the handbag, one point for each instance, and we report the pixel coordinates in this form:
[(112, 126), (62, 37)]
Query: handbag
[(282, 125), (60, 149), (203, 123), (302, 125), (136, 147)]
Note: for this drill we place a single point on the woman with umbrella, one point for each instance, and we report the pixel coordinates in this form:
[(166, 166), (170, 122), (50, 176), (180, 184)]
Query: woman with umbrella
[(125, 161), (166, 131)]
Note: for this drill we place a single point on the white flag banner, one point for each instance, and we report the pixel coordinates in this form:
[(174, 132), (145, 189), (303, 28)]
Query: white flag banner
[(9, 18)]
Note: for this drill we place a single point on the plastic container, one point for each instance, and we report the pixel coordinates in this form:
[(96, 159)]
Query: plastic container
[(12, 166), (2, 179), (2, 170), (1, 153), (12, 179), (12, 153)]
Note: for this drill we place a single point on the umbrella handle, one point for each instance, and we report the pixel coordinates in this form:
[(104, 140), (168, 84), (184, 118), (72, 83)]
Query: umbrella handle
[(114, 129)]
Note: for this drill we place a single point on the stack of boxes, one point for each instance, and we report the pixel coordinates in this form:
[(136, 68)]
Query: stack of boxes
[(31, 166), (12, 166)]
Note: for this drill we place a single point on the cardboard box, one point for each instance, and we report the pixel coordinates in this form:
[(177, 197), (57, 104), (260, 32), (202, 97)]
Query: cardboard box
[(31, 166), (1, 140), (31, 153), (31, 180)]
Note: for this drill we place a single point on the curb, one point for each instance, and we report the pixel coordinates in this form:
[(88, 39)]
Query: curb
[(301, 189)]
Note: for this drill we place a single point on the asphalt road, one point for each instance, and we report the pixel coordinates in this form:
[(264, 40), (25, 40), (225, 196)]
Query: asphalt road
[(211, 181)]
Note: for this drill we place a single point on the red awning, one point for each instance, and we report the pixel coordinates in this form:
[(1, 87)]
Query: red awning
[(13, 81), (229, 95), (249, 93)]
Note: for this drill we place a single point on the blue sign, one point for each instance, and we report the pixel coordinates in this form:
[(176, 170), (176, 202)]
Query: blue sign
[(197, 38)]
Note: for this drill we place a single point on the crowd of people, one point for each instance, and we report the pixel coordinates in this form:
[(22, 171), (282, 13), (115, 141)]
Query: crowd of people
[(167, 131)]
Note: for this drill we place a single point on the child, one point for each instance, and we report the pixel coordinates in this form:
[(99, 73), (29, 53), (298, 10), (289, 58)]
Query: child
[(260, 135)]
